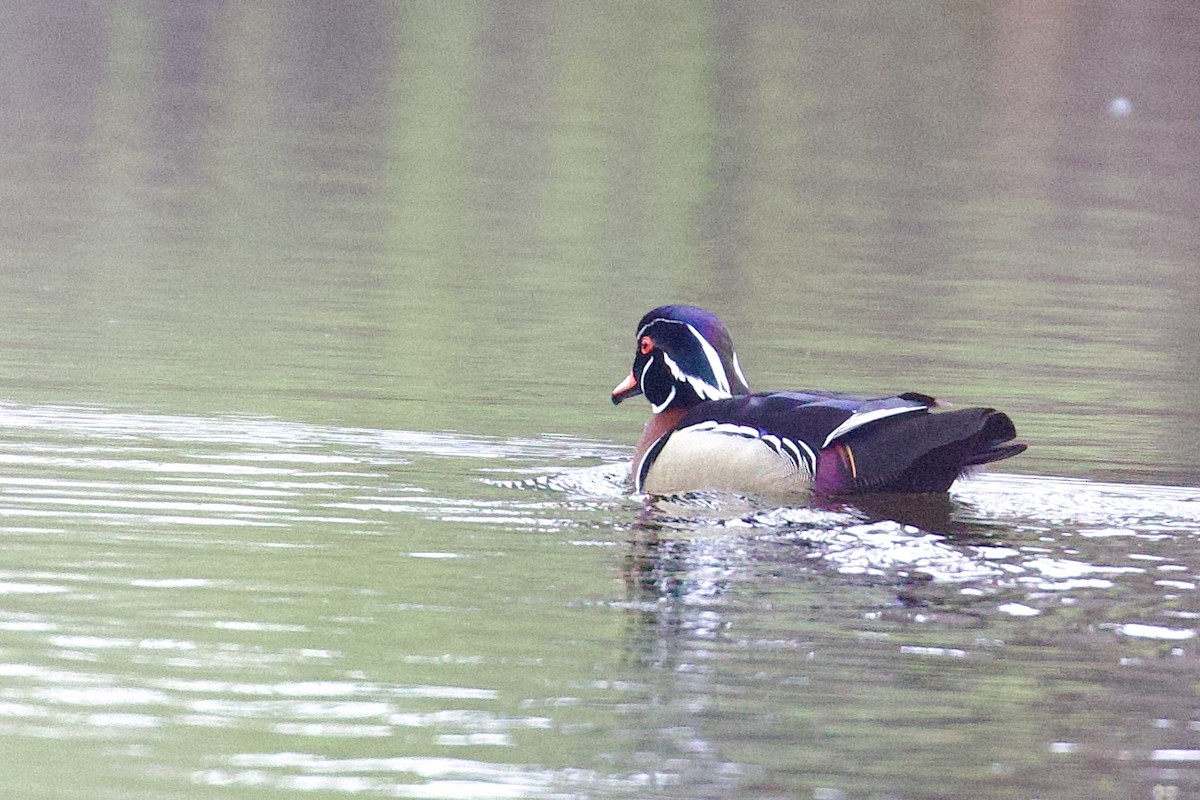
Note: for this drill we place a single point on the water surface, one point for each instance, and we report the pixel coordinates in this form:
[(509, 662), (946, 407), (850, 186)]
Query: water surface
[(205, 602), (309, 482)]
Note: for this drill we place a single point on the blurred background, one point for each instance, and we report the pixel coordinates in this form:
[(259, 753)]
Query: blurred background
[(424, 216)]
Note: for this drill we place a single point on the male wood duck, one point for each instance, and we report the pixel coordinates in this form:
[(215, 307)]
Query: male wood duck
[(708, 431)]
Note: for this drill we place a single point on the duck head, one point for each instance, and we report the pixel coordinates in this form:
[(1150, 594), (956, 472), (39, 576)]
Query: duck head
[(684, 355)]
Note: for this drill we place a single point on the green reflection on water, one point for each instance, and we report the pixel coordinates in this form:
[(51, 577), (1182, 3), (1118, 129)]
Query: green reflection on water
[(454, 222), (408, 219)]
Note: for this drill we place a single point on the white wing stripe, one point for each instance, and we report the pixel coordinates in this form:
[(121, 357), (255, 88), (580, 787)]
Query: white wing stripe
[(857, 420)]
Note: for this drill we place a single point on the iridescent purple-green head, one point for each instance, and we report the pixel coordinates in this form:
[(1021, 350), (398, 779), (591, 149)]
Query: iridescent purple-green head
[(684, 356)]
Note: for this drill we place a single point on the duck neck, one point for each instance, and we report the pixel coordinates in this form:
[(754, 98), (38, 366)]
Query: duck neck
[(656, 427)]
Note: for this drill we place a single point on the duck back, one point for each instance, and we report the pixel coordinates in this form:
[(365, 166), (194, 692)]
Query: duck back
[(915, 453)]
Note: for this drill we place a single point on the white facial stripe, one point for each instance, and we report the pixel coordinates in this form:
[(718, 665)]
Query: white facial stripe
[(706, 390), (675, 370), (703, 389), (714, 361), (737, 368)]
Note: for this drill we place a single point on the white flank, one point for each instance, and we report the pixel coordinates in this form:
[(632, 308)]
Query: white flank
[(723, 456), (857, 420), (786, 448)]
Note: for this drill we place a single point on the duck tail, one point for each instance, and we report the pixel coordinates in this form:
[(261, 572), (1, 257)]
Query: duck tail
[(915, 453)]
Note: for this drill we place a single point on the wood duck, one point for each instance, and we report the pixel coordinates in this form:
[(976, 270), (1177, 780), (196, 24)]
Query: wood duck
[(708, 431)]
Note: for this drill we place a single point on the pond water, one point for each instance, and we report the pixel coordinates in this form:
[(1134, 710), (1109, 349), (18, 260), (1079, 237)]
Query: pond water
[(309, 480)]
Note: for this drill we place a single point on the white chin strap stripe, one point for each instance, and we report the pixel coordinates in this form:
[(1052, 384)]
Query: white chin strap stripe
[(661, 407)]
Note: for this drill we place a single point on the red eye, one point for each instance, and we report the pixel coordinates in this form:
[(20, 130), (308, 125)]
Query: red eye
[(645, 345)]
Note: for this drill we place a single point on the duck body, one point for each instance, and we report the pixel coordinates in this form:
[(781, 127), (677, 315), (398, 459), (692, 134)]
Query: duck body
[(709, 432)]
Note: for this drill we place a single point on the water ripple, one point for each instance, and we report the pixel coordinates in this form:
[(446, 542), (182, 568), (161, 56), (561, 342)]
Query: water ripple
[(91, 465), (343, 553), (397, 776)]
